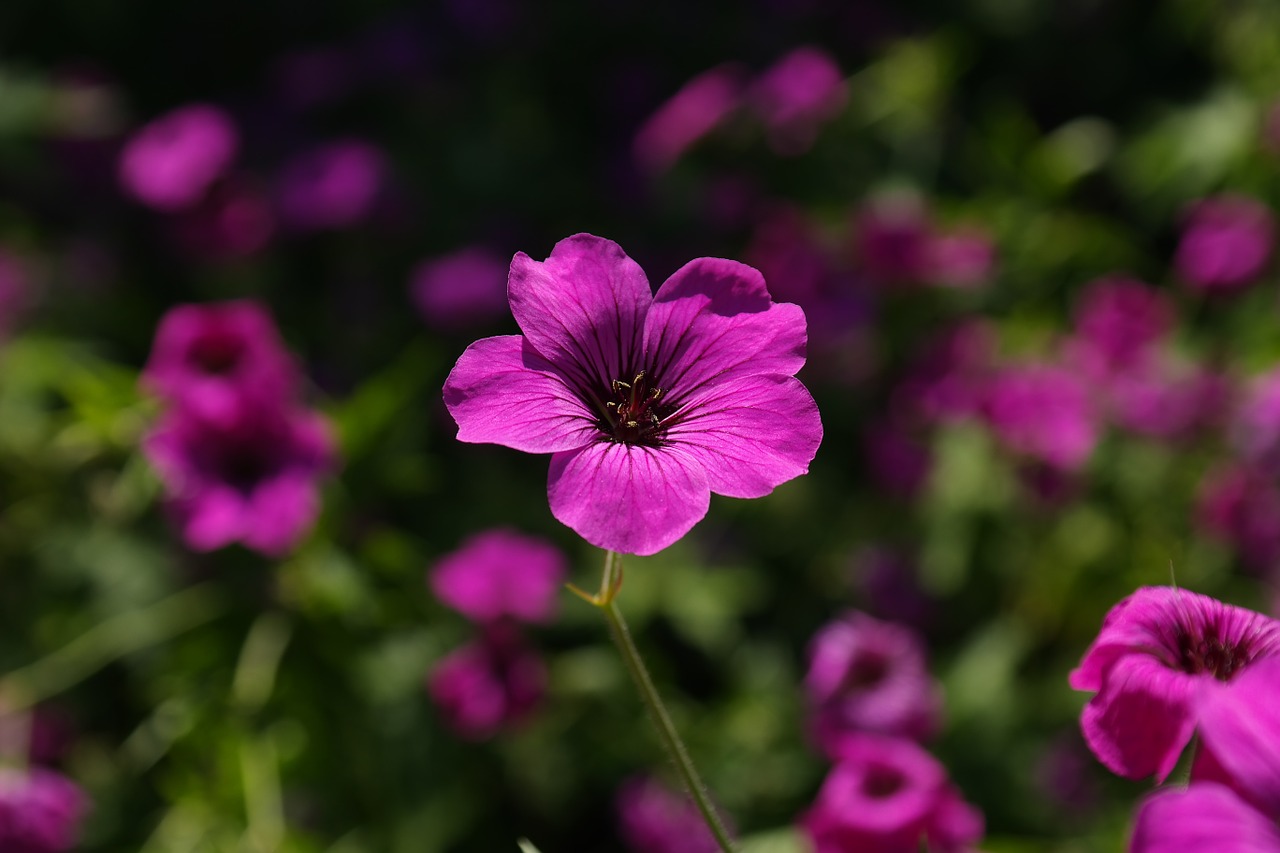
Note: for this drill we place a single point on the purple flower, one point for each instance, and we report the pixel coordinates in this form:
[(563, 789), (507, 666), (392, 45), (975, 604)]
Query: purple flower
[(1149, 665), (796, 96), (899, 461), (949, 379), (887, 795), (1255, 428), (216, 360), (170, 163), (648, 403), (689, 115), (461, 290), (234, 220), (1118, 322), (252, 480), (1241, 505), (488, 685), (500, 573), (40, 811), (892, 235), (964, 258), (869, 676), (654, 819), (333, 186), (1044, 412), (1165, 399), (1226, 243)]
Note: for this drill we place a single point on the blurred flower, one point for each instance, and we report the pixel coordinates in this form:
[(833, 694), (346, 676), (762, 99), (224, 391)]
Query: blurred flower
[(899, 461), (654, 819), (887, 795), (461, 290), (892, 236), (1043, 411), (331, 187), (797, 95), (689, 115), (500, 573), (963, 258), (16, 291), (218, 359), (1241, 505), (1118, 321), (889, 582), (1062, 775), (40, 735), (489, 685), (251, 480), (869, 676), (948, 380), (1150, 664), (40, 811), (648, 403), (170, 163), (234, 220), (1165, 399), (1255, 426), (1226, 242)]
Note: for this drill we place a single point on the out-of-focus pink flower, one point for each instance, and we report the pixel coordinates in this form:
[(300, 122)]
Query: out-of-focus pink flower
[(888, 580), (899, 461), (654, 819), (1226, 243), (963, 258), (40, 811), (218, 359), (892, 236), (796, 96), (501, 574), (869, 676), (1119, 320), (1157, 654), (253, 480), (689, 115), (40, 735), (1165, 399), (1241, 505), (948, 381), (461, 290), (1045, 412), (234, 220), (488, 685), (170, 163), (1255, 426), (1063, 774), (887, 795), (334, 186)]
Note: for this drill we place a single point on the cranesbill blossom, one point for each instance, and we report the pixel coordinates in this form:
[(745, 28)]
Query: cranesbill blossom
[(1118, 320), (488, 685), (1156, 653), (501, 574), (216, 360), (1045, 412), (797, 95), (963, 258), (892, 236), (648, 402), (887, 795), (333, 186), (1255, 427), (689, 115), (654, 819), (253, 480), (170, 163), (1233, 801), (867, 675), (1226, 243), (40, 811), (460, 290), (1241, 505)]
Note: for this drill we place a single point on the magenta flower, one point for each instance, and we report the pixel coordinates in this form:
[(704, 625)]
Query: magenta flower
[(887, 795), (654, 819), (892, 236), (689, 115), (1241, 505), (234, 220), (170, 163), (217, 360), (1255, 427), (963, 258), (1044, 412), (253, 480), (501, 574), (40, 811), (869, 676), (1156, 651), (1226, 243), (1118, 322), (489, 685), (333, 186), (461, 290), (797, 95), (647, 403)]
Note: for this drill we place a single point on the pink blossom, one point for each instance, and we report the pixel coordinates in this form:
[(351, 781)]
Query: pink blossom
[(460, 290), (963, 258), (170, 163), (887, 795), (252, 480), (948, 380), (1163, 398), (869, 676), (234, 220), (1255, 427), (647, 403), (501, 573), (797, 95), (892, 236), (899, 461), (488, 685), (40, 811), (333, 186), (1241, 505), (1118, 322), (1149, 666), (217, 359), (654, 819), (689, 115), (1044, 412), (1226, 243)]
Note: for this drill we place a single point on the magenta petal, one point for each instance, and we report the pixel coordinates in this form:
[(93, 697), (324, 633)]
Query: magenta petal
[(583, 307), (714, 316), (628, 498), (280, 513), (212, 519), (502, 392), (1204, 818), (750, 433), (1240, 725), (1142, 718)]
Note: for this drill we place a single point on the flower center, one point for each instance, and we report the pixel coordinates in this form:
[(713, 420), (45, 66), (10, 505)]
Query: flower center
[(633, 414), (1212, 655), (882, 782), (216, 353)]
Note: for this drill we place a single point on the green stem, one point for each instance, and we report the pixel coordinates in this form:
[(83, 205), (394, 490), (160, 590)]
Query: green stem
[(675, 747)]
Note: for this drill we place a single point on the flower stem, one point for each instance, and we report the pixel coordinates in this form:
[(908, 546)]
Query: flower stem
[(676, 750)]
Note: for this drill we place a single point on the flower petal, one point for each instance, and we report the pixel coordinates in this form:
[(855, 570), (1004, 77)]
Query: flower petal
[(1204, 818), (713, 317), (583, 308), (750, 433), (1240, 725), (628, 498), (280, 512), (502, 392), (1142, 717)]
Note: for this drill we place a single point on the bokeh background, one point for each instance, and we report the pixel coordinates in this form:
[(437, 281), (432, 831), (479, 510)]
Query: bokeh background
[(1034, 242)]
